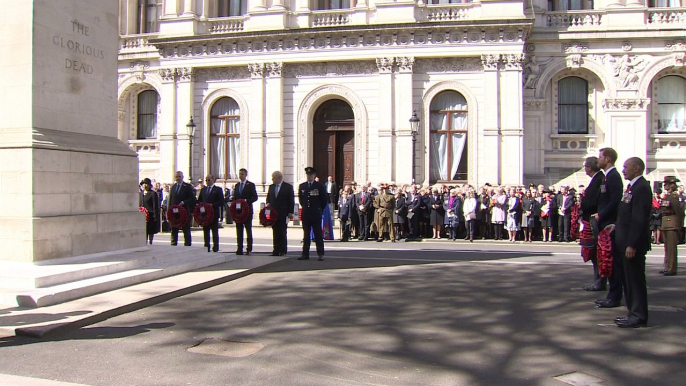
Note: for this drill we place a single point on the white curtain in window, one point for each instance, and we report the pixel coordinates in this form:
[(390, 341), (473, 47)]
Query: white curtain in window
[(439, 156), (671, 102), (220, 158), (572, 105), (147, 114), (446, 100), (667, 3)]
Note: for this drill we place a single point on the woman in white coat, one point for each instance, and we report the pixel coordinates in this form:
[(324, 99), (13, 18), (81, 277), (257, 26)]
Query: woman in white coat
[(499, 213), (469, 209)]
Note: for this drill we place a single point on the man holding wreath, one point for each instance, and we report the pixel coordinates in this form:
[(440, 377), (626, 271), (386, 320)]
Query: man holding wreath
[(213, 195), (182, 193)]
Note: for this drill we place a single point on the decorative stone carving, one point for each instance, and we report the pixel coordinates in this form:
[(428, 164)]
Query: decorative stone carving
[(535, 104), (626, 46), (532, 70), (385, 65), (256, 70), (274, 69), (222, 73), (679, 58), (167, 74), (625, 68), (405, 64), (677, 45), (330, 69), (490, 62), (185, 74), (625, 104), (121, 115), (513, 61), (448, 65), (574, 61), (575, 48)]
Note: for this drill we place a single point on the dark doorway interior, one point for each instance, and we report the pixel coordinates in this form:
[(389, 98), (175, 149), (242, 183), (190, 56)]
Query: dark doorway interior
[(334, 141)]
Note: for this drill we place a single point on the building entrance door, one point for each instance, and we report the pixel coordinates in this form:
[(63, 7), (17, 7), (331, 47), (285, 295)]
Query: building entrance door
[(334, 142)]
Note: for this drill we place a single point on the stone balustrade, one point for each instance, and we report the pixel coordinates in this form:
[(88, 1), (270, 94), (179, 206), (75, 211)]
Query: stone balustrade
[(226, 24), (136, 43), (331, 18), (451, 12), (585, 143), (667, 16), (571, 19), (147, 149), (670, 143)]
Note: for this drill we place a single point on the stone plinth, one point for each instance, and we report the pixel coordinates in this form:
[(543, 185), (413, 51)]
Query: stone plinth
[(68, 186)]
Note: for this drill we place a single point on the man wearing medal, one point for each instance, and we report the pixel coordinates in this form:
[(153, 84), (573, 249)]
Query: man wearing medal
[(313, 198)]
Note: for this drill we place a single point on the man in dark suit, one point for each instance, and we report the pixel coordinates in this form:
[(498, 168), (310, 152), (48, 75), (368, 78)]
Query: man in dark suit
[(246, 190), (281, 198), (589, 206), (363, 202), (344, 215), (312, 198), (182, 193), (610, 195), (632, 237), (213, 195), (331, 192), (565, 202)]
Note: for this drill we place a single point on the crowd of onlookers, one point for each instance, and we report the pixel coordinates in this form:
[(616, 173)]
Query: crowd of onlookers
[(513, 213)]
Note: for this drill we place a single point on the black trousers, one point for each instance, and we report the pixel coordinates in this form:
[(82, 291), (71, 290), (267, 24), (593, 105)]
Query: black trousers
[(280, 237), (636, 290), (564, 226), (239, 235), (312, 223), (186, 234), (617, 279), (214, 228), (414, 226), (363, 230)]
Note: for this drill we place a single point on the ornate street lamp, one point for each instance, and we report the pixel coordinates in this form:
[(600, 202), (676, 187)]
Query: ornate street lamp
[(414, 125), (190, 129)]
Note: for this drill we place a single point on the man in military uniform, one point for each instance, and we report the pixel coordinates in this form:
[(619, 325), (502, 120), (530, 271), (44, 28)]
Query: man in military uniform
[(384, 203), (672, 218), (313, 198)]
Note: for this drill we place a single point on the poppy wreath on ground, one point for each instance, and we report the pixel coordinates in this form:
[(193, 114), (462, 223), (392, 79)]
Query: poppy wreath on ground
[(604, 253), (203, 214), (242, 216), (270, 219), (143, 209), (177, 216)]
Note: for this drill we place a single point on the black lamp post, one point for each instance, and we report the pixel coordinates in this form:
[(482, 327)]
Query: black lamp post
[(190, 129), (414, 125)]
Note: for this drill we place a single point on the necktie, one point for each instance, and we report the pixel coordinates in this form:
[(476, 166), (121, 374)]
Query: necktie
[(178, 188), (362, 202), (240, 189), (276, 191), (309, 185), (628, 188)]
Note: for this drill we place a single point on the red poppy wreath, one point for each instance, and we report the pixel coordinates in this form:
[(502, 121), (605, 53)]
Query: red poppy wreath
[(240, 215), (203, 214), (177, 216)]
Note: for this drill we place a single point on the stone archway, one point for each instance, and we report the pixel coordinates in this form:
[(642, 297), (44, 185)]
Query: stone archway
[(305, 129)]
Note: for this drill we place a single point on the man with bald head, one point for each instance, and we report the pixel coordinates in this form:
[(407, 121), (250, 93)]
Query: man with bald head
[(281, 198)]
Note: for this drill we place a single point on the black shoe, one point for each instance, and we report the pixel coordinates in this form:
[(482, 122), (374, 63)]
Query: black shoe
[(273, 254), (239, 252), (247, 252), (662, 271), (303, 258), (631, 324), (669, 273), (173, 244), (186, 244), (321, 258), (609, 303), (379, 240), (601, 300), (593, 288), (282, 254), (215, 249), (621, 319)]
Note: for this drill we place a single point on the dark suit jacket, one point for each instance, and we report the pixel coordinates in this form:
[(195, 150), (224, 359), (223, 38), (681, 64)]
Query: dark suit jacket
[(345, 210), (589, 202), (567, 205), (609, 201), (284, 202), (186, 195), (633, 218), (368, 202), (249, 194), (215, 196), (312, 200)]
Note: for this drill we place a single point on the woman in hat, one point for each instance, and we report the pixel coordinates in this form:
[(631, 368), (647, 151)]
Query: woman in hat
[(150, 201)]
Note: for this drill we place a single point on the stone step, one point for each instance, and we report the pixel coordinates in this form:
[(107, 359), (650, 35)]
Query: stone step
[(23, 275), (190, 259)]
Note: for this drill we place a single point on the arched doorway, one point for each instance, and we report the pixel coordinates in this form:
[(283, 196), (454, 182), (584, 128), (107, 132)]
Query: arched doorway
[(334, 141)]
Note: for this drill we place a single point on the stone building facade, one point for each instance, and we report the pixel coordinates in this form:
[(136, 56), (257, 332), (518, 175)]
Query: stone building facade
[(507, 91)]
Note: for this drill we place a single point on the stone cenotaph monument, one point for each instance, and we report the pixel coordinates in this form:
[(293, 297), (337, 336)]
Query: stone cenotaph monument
[(68, 186)]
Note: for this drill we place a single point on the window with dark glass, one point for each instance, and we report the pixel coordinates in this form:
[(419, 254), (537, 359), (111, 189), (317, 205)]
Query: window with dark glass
[(671, 104), (572, 106), (225, 139), (664, 3), (148, 15), (147, 115), (228, 8), (448, 137), (569, 5), (334, 4)]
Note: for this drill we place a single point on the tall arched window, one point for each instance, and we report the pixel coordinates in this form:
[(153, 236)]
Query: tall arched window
[(148, 15), (448, 137), (225, 139), (671, 104), (572, 106), (147, 115), (227, 8)]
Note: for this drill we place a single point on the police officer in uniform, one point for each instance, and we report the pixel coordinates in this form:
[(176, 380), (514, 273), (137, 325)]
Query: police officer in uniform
[(313, 198), (672, 218)]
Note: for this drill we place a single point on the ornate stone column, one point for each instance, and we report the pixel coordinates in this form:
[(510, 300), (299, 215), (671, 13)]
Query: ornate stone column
[(256, 141), (403, 112), (167, 132), (489, 169), (384, 154), (274, 127), (511, 125)]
